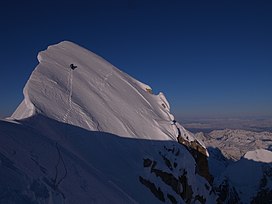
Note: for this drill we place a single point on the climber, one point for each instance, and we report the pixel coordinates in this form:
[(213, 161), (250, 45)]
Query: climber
[(72, 66)]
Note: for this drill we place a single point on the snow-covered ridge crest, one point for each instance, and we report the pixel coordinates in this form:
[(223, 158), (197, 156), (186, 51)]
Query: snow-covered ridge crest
[(259, 155), (95, 95)]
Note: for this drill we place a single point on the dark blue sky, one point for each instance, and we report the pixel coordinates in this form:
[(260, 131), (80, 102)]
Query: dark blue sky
[(210, 58)]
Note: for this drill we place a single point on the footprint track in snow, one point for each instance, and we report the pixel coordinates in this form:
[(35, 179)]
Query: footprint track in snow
[(70, 90)]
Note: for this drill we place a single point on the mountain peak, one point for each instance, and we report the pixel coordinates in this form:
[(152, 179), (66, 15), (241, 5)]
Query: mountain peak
[(75, 86), (86, 122), (259, 155)]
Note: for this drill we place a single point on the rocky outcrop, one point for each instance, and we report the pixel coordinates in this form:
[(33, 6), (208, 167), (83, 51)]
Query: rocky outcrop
[(264, 194), (175, 177), (247, 180), (199, 153), (179, 185), (227, 193), (156, 191)]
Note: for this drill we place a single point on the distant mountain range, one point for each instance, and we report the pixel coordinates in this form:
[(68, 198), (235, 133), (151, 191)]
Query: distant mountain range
[(241, 164), (208, 124)]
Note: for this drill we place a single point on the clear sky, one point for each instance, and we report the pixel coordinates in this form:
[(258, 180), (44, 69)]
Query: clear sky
[(210, 58)]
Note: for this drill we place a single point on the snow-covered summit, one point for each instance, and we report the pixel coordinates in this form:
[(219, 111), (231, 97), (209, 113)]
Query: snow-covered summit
[(94, 96), (86, 123), (259, 155)]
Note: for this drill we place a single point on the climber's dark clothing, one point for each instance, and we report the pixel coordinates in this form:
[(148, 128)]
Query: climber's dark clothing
[(72, 66)]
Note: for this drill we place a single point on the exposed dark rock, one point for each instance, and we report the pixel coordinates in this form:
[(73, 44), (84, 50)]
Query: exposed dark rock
[(179, 184), (175, 183), (177, 153), (147, 162), (169, 149), (207, 187), (263, 182), (200, 156), (168, 179), (151, 186), (167, 162), (202, 166), (227, 194), (263, 197), (187, 189), (172, 199), (201, 199), (153, 164)]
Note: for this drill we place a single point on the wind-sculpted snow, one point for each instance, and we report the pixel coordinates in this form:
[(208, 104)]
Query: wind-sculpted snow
[(95, 96)]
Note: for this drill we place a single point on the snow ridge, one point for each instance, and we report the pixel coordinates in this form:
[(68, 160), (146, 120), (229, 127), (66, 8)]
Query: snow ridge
[(259, 155), (100, 97)]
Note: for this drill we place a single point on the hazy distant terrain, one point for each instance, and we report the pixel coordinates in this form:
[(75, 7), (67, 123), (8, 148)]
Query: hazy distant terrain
[(206, 125), (235, 143), (240, 161)]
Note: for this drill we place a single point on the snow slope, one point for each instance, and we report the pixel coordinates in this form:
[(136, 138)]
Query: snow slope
[(31, 171), (94, 135)]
